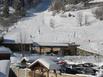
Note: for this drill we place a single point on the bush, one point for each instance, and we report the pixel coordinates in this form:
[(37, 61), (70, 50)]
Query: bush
[(72, 7), (98, 13)]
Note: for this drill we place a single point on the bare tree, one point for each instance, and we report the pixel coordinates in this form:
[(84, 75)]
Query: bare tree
[(86, 20), (22, 40), (80, 18), (57, 5), (52, 23)]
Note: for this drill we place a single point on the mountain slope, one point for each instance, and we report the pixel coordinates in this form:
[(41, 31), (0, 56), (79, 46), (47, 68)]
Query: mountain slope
[(41, 26)]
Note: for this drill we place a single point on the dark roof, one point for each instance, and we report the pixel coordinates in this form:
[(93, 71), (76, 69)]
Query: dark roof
[(43, 44), (4, 50), (7, 41)]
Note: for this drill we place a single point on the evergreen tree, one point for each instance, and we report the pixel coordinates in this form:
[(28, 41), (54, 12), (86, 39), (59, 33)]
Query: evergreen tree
[(23, 3), (30, 2), (5, 8), (19, 7)]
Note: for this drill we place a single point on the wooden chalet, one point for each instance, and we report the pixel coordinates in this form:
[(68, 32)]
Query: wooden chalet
[(42, 67), (60, 48), (42, 47)]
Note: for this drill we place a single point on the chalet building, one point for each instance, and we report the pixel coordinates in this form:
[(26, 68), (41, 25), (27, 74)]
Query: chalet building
[(56, 48), (5, 53), (44, 48), (42, 68)]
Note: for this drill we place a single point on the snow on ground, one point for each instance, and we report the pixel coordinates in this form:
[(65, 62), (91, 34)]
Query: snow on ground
[(4, 68), (41, 26)]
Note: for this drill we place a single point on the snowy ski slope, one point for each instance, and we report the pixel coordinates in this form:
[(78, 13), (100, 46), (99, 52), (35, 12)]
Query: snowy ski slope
[(41, 26)]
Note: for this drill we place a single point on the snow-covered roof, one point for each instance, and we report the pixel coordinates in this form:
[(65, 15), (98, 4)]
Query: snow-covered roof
[(4, 68), (49, 64), (24, 59), (96, 1), (5, 50), (55, 44)]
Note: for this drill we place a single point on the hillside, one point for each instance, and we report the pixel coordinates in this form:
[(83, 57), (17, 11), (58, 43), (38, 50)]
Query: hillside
[(42, 26)]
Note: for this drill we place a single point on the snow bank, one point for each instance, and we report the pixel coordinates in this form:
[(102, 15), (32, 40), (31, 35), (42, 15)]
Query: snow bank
[(4, 68)]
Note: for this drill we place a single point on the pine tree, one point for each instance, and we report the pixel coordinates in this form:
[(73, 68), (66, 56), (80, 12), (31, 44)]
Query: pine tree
[(22, 12), (30, 2), (19, 8), (5, 8)]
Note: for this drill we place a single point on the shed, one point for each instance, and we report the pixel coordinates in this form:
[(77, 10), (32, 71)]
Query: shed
[(44, 65), (5, 53)]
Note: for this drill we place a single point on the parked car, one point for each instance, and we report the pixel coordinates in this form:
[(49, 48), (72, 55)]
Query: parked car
[(72, 71)]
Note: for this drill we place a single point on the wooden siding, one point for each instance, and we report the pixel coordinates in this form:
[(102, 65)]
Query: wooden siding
[(4, 56)]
